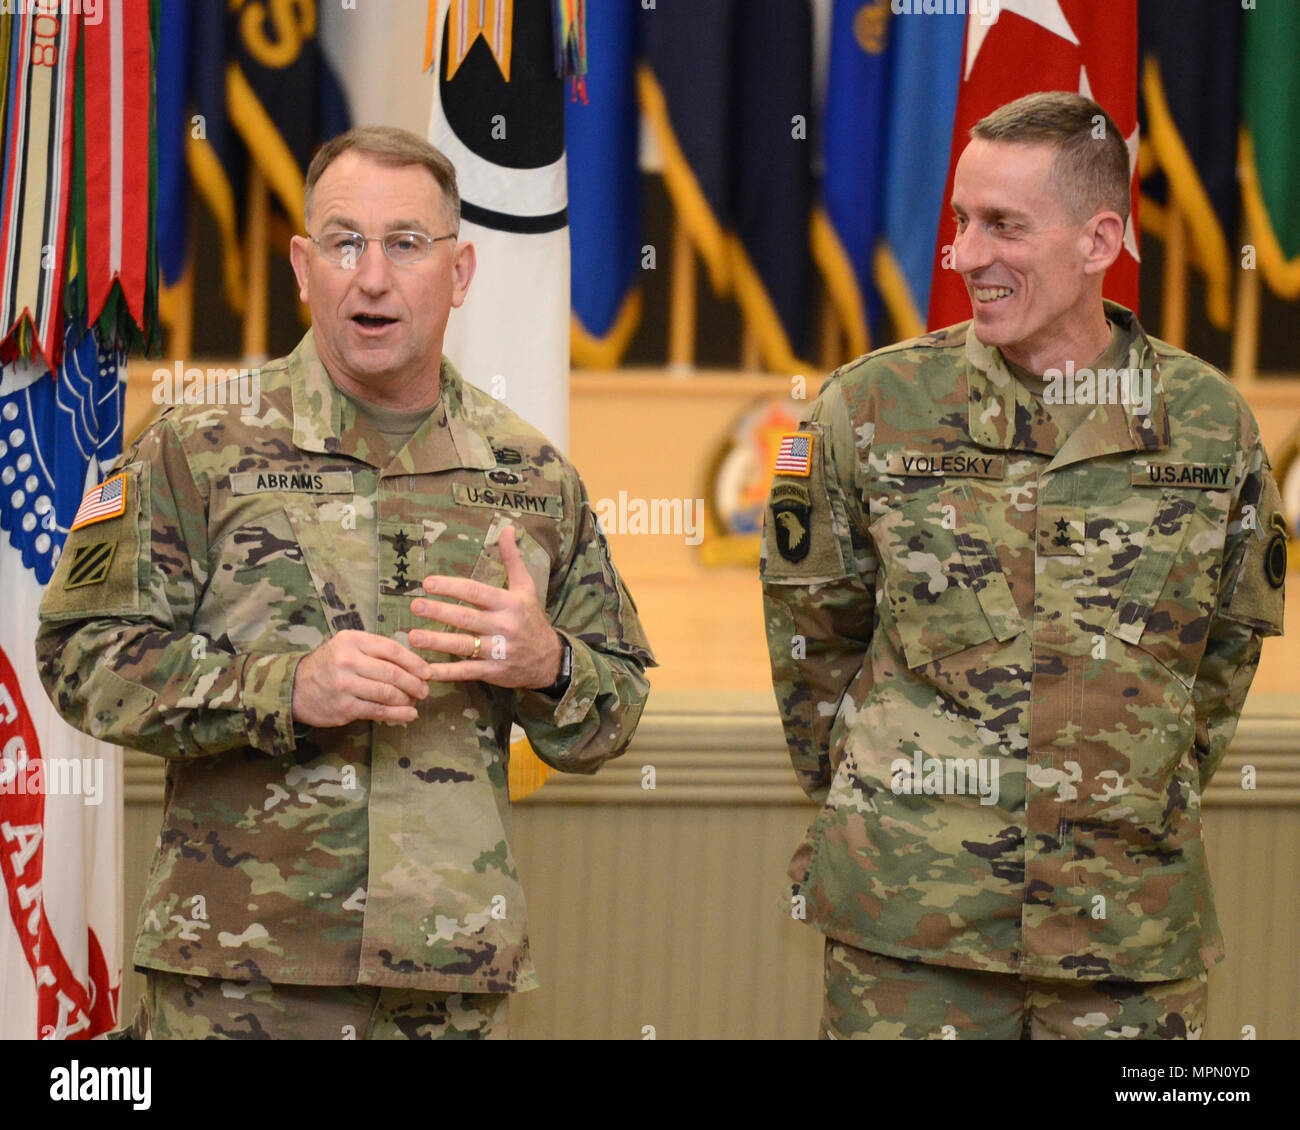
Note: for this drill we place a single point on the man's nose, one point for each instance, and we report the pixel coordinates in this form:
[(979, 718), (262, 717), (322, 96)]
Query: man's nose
[(374, 269), (970, 250)]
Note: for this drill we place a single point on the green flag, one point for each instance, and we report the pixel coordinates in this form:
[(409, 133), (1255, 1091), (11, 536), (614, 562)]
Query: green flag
[(1270, 139)]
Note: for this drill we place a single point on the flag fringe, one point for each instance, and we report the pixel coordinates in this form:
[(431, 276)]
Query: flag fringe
[(1186, 186), (688, 197), (605, 351), (841, 280), (218, 194), (1281, 274), (896, 291)]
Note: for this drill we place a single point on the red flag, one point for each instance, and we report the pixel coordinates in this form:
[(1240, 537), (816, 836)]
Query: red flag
[(1027, 45), (119, 79)]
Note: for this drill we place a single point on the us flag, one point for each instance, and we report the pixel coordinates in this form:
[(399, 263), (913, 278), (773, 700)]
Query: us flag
[(795, 454), (107, 500)]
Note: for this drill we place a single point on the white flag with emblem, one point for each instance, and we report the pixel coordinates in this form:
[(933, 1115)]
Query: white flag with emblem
[(60, 791), (499, 118)]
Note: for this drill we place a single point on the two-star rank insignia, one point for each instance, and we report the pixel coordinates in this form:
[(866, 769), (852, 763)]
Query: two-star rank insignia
[(90, 564)]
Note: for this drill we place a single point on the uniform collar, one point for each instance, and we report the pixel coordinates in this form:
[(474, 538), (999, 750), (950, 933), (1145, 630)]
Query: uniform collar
[(1004, 414), (325, 421)]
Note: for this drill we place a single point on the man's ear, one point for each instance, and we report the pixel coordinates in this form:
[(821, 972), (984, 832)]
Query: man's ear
[(1103, 240), (462, 272), (299, 249)]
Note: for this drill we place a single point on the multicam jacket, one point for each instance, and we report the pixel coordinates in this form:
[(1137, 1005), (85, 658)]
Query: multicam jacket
[(363, 853), (1008, 659)]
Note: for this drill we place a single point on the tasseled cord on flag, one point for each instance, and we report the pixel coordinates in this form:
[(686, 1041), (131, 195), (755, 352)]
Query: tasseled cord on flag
[(571, 45)]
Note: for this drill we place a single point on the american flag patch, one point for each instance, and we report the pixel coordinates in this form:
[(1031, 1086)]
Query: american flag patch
[(794, 457), (107, 500)]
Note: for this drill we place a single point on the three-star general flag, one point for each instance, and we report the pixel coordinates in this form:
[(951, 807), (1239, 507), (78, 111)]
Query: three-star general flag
[(605, 200), (727, 93), (1270, 140), (1023, 46), (498, 115), (1190, 52), (890, 99), (60, 790)]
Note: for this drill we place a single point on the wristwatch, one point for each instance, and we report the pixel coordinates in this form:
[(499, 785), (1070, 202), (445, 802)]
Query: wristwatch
[(561, 684)]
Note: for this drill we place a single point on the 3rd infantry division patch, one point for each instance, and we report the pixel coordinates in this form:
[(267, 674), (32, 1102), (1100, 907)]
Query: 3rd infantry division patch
[(90, 564)]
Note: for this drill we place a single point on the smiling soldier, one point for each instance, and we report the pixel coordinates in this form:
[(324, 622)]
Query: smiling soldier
[(1073, 590), (326, 615)]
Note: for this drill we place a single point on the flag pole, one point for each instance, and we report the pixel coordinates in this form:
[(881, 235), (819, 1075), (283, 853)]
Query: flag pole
[(1173, 315), (182, 327), (259, 246), (831, 339), (681, 303), (1245, 339)]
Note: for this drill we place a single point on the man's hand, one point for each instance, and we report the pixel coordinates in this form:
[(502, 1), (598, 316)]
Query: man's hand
[(356, 675), (517, 647)]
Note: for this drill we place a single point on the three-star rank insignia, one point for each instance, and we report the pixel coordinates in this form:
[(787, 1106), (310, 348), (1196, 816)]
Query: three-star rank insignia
[(792, 520), (90, 564)]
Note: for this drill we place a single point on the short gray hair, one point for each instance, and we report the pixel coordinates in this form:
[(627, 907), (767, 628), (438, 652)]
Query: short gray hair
[(390, 146), (1091, 167)]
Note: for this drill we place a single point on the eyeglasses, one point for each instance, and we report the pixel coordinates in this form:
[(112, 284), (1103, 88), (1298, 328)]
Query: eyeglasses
[(402, 247)]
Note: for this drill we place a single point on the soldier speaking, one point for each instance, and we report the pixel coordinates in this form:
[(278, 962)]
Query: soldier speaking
[(1011, 632), (326, 613)]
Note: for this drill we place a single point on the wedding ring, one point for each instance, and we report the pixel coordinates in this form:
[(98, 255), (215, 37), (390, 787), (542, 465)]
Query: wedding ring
[(477, 644)]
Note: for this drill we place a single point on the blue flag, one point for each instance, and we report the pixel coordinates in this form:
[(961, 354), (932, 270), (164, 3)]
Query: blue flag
[(59, 434), (172, 79), (890, 101), (604, 192)]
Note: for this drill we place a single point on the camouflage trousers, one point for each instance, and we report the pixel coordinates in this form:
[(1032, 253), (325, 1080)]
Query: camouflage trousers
[(178, 1007), (873, 997)]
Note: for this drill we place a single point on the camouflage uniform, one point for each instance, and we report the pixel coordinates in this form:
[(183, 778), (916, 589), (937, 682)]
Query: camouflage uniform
[(363, 854), (957, 583), (174, 1007)]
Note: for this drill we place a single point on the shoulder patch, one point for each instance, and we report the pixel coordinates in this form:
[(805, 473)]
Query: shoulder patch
[(108, 500), (795, 454), (91, 563)]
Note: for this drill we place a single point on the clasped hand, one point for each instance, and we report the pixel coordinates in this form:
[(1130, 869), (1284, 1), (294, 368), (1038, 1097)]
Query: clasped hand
[(360, 675)]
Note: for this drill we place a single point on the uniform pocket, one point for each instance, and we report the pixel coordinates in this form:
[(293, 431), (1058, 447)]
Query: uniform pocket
[(1168, 600), (944, 584), (263, 595), (489, 570)]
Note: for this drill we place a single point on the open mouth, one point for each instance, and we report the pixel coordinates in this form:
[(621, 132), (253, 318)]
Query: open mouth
[(373, 321), (991, 293)]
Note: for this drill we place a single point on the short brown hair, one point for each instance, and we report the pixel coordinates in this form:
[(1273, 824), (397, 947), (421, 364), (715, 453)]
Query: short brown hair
[(1091, 171), (390, 146)]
